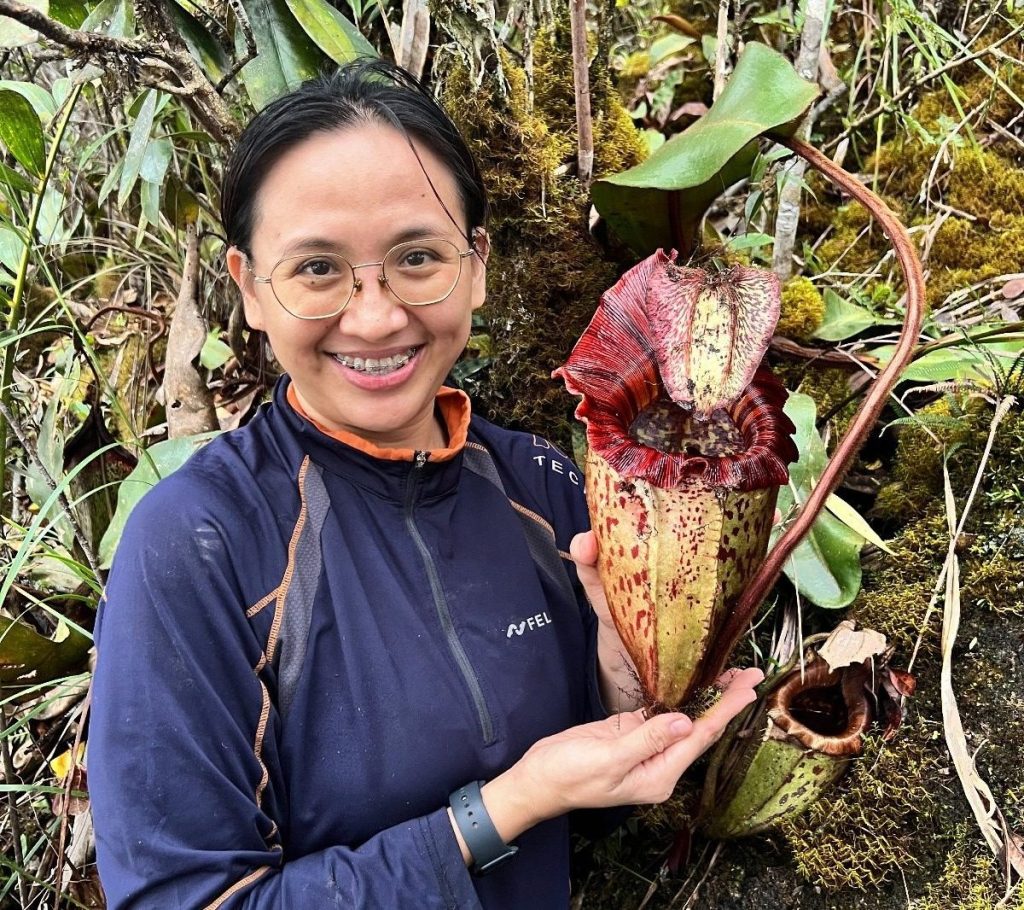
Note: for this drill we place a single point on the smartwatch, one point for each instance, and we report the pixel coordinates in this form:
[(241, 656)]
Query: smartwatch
[(489, 851)]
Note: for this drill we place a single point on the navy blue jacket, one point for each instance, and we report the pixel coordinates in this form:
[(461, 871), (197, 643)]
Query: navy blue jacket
[(304, 648)]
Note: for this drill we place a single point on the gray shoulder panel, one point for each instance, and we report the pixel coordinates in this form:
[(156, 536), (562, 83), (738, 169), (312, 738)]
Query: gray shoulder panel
[(298, 605)]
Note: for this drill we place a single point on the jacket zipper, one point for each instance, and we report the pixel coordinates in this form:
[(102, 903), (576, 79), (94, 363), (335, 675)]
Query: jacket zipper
[(441, 603)]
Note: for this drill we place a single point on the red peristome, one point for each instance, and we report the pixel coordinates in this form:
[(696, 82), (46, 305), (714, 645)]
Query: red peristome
[(614, 367)]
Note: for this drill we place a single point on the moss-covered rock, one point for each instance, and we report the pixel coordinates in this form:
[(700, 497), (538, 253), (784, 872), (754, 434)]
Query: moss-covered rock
[(803, 309)]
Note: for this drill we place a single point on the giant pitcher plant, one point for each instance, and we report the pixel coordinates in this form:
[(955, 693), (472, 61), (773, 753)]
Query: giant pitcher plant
[(687, 440)]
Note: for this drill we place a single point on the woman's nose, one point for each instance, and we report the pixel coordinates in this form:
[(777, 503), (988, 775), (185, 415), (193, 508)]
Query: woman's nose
[(373, 311)]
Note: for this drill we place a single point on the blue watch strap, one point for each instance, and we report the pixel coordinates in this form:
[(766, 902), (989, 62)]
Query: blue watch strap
[(485, 844)]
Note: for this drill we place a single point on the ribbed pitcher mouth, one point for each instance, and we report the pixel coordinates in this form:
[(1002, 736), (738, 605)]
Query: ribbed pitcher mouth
[(827, 711), (626, 405)]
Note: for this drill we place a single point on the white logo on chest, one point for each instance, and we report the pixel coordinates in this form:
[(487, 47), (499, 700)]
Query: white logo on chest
[(528, 624)]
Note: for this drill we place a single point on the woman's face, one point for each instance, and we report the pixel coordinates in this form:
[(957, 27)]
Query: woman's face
[(358, 191)]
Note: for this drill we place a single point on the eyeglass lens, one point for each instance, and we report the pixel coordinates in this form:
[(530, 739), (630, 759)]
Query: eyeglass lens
[(320, 284)]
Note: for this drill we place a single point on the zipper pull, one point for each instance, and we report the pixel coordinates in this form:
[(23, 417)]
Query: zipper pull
[(420, 459)]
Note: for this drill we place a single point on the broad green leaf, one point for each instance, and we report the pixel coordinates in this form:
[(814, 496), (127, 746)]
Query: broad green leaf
[(11, 179), (21, 132), (286, 56), (749, 241), (137, 144), (850, 517), (332, 32), (825, 566), (215, 353), (113, 17), (962, 361), (110, 181), (71, 13), (844, 319), (665, 47), (167, 457), (11, 248), (149, 197), (28, 657), (764, 96), (41, 100), (201, 44), (51, 227), (155, 160), (14, 34), (654, 140)]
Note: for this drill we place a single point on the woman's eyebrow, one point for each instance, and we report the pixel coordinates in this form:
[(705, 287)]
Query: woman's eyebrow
[(325, 245)]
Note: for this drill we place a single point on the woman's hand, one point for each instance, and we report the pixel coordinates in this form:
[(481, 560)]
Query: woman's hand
[(617, 675), (583, 549), (622, 760)]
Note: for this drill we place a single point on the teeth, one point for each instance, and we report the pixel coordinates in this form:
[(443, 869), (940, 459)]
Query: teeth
[(370, 365)]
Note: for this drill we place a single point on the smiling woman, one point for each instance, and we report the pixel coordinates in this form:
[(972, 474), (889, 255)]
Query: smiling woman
[(345, 657)]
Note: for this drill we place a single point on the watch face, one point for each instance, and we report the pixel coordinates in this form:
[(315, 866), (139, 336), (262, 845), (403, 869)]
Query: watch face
[(493, 864)]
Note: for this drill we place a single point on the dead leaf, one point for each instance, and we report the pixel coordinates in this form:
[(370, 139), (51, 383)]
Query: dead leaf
[(690, 109), (188, 401), (848, 645), (1013, 288)]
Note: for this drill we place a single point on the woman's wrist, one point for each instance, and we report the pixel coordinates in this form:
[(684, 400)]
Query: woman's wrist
[(511, 806)]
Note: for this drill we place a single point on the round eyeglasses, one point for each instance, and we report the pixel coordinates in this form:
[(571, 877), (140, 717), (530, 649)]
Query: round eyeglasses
[(320, 285)]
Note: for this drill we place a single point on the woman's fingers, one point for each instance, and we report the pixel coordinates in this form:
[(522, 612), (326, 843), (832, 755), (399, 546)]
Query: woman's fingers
[(583, 549), (651, 738)]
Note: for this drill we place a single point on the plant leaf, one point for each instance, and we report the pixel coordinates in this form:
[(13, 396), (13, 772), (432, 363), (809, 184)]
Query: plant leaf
[(215, 353), (113, 17), (166, 457), (201, 44), (71, 13), (844, 319), (29, 657), (335, 35), (40, 99), (825, 566), (764, 96), (21, 132), (286, 56), (849, 645), (14, 34), (850, 517), (137, 144), (957, 362)]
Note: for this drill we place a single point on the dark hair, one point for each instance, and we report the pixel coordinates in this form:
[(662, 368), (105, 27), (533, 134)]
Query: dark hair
[(365, 90)]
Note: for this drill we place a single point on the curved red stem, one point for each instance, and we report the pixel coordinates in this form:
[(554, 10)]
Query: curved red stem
[(863, 420)]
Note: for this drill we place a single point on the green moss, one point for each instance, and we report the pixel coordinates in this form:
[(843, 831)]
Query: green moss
[(863, 835), (900, 812), (546, 273), (803, 309), (971, 880), (916, 477)]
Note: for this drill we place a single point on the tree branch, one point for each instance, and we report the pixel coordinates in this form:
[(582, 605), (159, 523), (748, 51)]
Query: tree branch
[(197, 93)]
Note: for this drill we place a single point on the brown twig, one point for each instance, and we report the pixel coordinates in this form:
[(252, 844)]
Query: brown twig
[(581, 85), (721, 48), (863, 420), (849, 361), (199, 95)]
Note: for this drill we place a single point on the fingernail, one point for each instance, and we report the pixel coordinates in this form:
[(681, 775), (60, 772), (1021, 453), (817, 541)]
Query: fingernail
[(681, 726)]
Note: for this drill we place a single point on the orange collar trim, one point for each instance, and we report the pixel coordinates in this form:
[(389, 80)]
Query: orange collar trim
[(455, 410)]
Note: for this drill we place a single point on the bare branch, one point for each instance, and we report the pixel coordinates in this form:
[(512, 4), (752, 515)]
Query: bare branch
[(197, 93), (581, 82)]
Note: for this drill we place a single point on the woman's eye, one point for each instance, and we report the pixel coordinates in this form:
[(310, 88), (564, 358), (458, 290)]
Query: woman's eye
[(417, 258), (317, 268)]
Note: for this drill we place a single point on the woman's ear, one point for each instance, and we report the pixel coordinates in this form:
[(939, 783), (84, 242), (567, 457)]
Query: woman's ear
[(238, 269), (482, 247), (482, 244)]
